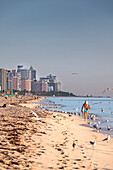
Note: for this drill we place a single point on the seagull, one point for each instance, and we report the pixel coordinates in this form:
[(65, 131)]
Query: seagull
[(89, 123), (93, 143), (99, 130), (76, 109), (107, 139), (102, 110), (93, 117), (74, 73), (34, 113), (107, 89), (95, 126), (36, 116), (108, 128), (98, 122), (74, 145)]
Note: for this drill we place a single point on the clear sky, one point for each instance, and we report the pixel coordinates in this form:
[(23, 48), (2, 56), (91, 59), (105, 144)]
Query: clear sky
[(60, 37)]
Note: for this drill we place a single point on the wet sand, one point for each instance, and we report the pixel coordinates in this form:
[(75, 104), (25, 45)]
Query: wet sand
[(27, 143)]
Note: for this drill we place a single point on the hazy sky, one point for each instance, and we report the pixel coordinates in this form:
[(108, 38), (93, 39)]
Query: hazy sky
[(60, 37)]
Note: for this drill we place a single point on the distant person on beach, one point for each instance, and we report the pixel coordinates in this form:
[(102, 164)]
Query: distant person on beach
[(85, 109)]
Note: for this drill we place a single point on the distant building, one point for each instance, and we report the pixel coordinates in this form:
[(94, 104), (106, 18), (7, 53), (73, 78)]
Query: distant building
[(53, 85), (13, 80), (19, 68), (3, 79), (27, 73), (23, 71), (25, 84), (9, 80), (35, 86), (19, 81), (26, 76), (50, 88), (32, 73), (39, 86)]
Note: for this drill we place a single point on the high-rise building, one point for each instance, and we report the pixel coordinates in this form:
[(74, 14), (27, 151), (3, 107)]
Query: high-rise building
[(39, 86), (3, 79), (19, 81), (32, 73), (25, 84), (13, 80), (35, 86), (19, 68), (24, 72), (53, 85), (27, 73), (9, 80)]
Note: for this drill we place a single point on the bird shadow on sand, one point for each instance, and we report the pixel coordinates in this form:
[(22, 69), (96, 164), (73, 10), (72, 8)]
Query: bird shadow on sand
[(85, 125)]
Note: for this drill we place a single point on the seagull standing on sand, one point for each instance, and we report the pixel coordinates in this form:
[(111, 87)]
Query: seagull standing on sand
[(74, 145), (93, 143), (95, 126), (107, 139)]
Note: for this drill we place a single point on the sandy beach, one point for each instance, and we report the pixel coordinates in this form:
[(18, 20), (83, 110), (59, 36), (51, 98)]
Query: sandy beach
[(27, 142)]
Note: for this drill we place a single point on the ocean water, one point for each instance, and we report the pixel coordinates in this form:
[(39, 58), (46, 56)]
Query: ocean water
[(74, 104)]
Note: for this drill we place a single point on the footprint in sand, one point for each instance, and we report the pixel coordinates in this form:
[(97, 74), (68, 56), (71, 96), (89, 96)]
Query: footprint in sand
[(50, 167), (78, 159), (61, 167), (64, 162), (74, 163), (85, 156), (38, 154), (83, 166), (67, 159)]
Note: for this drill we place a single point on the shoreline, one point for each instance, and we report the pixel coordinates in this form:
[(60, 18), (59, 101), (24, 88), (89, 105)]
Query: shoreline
[(47, 143)]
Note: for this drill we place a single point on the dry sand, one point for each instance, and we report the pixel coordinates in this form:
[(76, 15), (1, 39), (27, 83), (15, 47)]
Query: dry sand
[(27, 143)]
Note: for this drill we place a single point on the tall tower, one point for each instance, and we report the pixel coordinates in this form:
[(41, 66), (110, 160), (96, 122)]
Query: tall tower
[(3, 79), (32, 73)]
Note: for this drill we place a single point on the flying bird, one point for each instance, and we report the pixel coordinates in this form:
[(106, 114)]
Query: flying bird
[(107, 89), (74, 73)]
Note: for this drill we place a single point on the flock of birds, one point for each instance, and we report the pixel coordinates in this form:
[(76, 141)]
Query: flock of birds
[(74, 145), (92, 117)]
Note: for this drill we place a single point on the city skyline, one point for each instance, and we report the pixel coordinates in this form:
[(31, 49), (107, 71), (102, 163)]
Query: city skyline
[(24, 79), (61, 37)]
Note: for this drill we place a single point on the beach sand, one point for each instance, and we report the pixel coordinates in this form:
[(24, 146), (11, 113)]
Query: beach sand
[(28, 143)]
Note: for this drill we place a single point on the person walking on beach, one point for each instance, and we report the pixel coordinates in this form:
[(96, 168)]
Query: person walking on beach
[(85, 109)]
